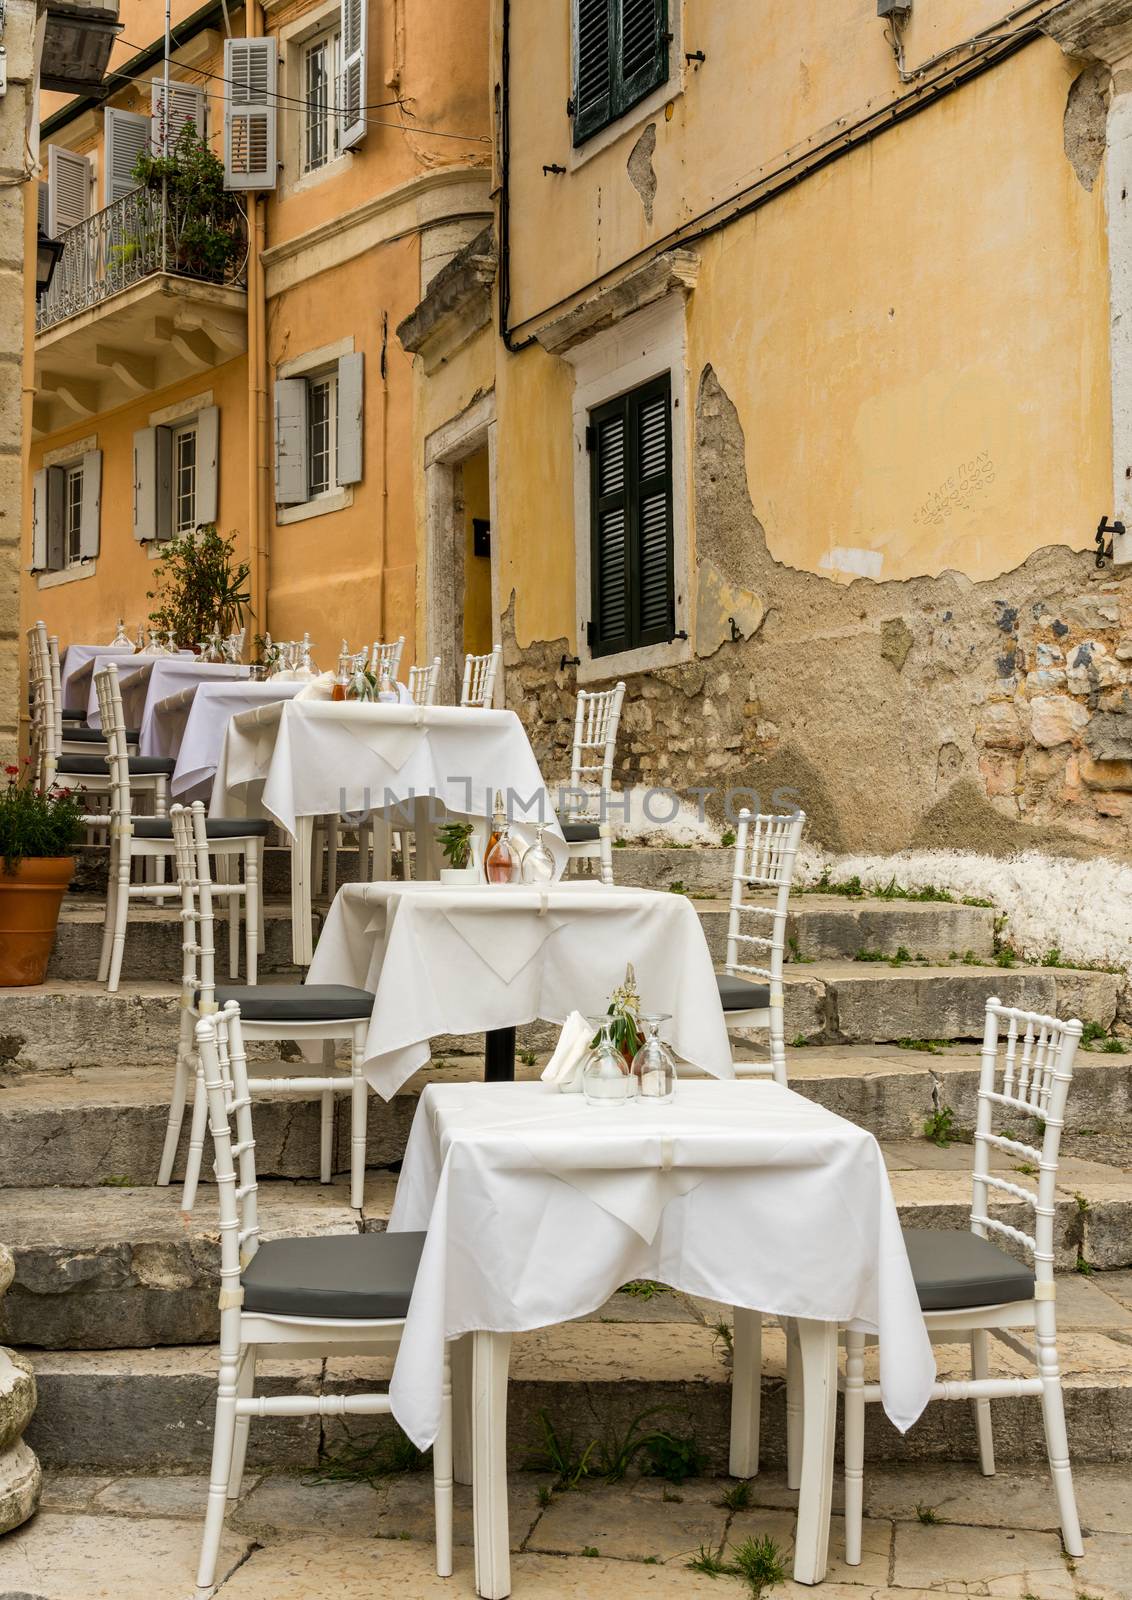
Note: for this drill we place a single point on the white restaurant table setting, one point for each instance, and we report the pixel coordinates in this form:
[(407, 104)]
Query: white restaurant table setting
[(190, 726), (76, 671), (538, 1206), (147, 680), (461, 960), (304, 759)]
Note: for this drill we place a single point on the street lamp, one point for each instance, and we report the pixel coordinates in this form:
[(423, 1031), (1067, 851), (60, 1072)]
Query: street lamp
[(47, 254)]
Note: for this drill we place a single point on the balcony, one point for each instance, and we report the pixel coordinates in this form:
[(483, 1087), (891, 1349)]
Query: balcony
[(147, 292)]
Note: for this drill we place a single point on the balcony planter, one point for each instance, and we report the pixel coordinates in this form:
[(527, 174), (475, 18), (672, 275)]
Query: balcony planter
[(38, 830), (77, 41)]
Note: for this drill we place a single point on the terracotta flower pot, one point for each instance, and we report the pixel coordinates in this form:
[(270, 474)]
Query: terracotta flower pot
[(30, 898)]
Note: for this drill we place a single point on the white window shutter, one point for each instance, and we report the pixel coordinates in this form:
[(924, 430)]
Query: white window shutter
[(41, 192), (92, 505), (186, 105), (68, 189), (292, 471), (56, 504), (39, 521), (126, 136), (153, 483), (351, 371), (208, 463), (250, 113), (352, 88)]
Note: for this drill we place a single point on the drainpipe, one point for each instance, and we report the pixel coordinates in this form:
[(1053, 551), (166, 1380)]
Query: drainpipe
[(258, 527)]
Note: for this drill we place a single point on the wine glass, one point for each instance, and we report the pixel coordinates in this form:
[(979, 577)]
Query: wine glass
[(654, 1067), (121, 640), (606, 1079), (538, 863)]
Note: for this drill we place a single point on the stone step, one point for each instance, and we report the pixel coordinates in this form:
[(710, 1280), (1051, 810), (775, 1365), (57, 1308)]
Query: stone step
[(105, 1125), (98, 1268), (144, 1408), (153, 941), (824, 928)]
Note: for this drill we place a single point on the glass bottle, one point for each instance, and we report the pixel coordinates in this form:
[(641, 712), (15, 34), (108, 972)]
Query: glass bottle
[(654, 1067), (342, 675), (606, 1079), (386, 693), (538, 863), (121, 640), (501, 862)]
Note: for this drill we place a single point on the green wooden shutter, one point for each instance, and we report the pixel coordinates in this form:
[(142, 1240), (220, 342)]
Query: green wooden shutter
[(642, 49), (652, 542), (593, 65), (611, 622)]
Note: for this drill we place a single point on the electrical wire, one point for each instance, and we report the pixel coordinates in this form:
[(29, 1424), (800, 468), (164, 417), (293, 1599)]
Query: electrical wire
[(894, 33), (287, 102)]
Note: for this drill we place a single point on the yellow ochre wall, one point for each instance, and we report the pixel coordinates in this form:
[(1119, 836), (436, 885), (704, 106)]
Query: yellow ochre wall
[(935, 299)]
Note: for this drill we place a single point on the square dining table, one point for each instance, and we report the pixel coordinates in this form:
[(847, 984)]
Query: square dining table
[(190, 724), (76, 669), (537, 1206)]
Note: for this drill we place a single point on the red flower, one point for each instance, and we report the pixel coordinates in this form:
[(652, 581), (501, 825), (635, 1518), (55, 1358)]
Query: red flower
[(13, 772)]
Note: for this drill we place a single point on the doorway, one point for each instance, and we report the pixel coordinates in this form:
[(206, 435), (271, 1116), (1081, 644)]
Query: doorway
[(462, 613)]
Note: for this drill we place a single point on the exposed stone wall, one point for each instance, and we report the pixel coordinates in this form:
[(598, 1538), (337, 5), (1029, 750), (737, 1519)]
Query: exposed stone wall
[(937, 711)]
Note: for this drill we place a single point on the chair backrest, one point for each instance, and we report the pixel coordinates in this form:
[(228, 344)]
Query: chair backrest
[(387, 657), (596, 721), (1025, 1073), (198, 926), (46, 717), (766, 847), (423, 682), (114, 731), (479, 678), (223, 1060)]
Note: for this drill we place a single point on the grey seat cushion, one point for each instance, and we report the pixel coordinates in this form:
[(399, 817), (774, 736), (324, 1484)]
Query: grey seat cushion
[(954, 1269), (96, 766), (739, 994), (215, 827), (357, 1275), (85, 735), (580, 832), (297, 1002)]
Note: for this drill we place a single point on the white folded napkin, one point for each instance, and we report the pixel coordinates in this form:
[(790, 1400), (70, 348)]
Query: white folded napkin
[(320, 688), (564, 1069)]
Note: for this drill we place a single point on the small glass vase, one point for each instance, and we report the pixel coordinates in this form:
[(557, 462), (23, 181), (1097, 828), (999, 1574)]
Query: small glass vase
[(538, 863), (654, 1067), (606, 1079)]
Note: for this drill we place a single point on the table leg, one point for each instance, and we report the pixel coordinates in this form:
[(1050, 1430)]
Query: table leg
[(746, 1392), (499, 1056), (461, 1354), (302, 941), (491, 1354), (818, 1347)]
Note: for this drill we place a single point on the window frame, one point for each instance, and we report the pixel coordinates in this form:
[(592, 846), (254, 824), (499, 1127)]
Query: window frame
[(311, 366), (329, 40), (294, 40), (72, 514), (182, 432), (622, 101), (328, 376)]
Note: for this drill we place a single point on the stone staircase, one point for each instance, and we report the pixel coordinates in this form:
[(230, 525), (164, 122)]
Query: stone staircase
[(115, 1289)]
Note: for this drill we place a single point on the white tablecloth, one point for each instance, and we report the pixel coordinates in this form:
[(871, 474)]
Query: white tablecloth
[(538, 1207), (147, 680), (190, 725), (317, 758), (463, 960), (74, 696)]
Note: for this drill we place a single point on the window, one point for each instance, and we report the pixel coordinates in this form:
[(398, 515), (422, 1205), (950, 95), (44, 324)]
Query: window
[(631, 562), (73, 514), (620, 56), (322, 68), (184, 478), (322, 426)]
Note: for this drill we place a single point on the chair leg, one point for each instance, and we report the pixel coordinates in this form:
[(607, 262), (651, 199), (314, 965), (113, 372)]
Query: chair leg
[(605, 847), (331, 856), (980, 1368), (121, 916), (196, 1140), (778, 1036), (794, 1418), (111, 912), (1057, 1442), (223, 1436), (746, 1392), (177, 1103), (245, 1386), (854, 1445), (442, 1477), (160, 809), (359, 1111), (226, 872), (326, 1127), (460, 1355), (253, 910)]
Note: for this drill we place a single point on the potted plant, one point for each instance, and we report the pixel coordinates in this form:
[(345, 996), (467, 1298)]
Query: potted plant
[(39, 829), (200, 586), (456, 843)]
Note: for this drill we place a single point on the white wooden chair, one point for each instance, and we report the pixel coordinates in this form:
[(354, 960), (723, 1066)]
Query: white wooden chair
[(294, 1298), (305, 1012), (596, 721), (386, 658), (766, 848), (423, 683), (148, 838), (968, 1287), (479, 679)]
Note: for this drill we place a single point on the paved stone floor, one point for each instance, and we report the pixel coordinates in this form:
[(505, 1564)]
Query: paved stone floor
[(939, 1529)]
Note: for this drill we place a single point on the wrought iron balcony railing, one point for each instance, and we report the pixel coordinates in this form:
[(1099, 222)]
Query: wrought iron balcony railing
[(146, 231)]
